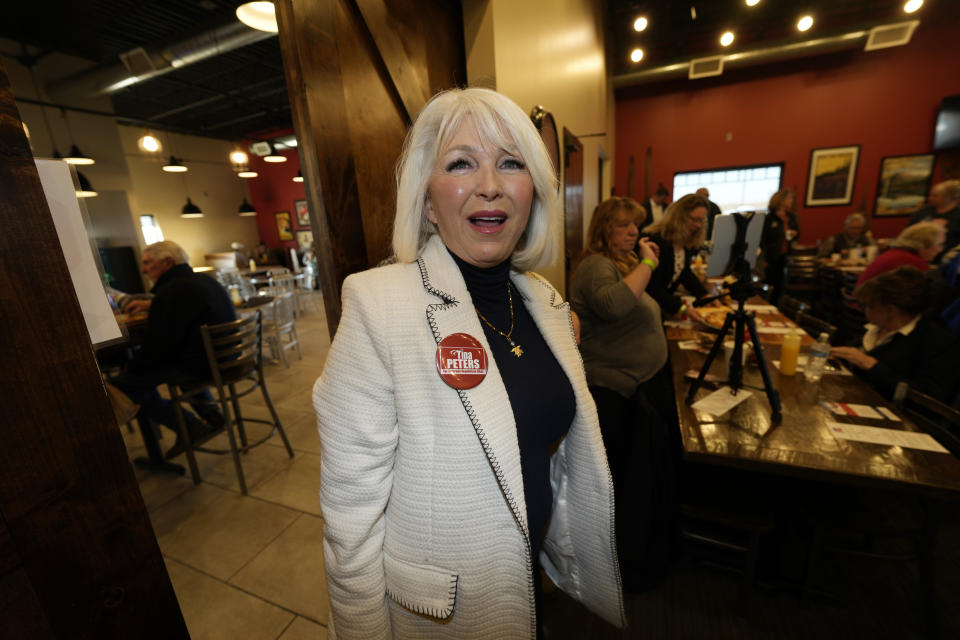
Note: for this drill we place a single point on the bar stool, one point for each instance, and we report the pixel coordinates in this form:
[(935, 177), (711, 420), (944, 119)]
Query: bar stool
[(236, 367)]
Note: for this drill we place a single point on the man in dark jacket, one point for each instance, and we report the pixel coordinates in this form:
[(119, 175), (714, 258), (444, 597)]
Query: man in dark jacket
[(173, 351)]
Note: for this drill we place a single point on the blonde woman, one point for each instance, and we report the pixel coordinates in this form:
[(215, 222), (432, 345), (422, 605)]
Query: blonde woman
[(624, 347), (678, 236), (461, 450), (916, 246), (780, 228)]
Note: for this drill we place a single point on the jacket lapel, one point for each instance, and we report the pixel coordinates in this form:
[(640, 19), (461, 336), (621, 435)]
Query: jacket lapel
[(487, 405)]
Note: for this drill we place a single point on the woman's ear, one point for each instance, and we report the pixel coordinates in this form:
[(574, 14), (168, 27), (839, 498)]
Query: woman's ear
[(428, 209)]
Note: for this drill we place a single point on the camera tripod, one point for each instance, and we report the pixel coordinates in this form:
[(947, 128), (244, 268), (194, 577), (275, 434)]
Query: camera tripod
[(741, 290)]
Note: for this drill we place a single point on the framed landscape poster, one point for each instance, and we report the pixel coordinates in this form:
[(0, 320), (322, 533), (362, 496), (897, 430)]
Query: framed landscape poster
[(303, 214), (903, 183), (284, 230), (832, 172)]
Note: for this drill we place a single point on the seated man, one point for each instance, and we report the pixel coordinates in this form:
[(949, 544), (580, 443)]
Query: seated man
[(854, 234), (173, 349), (944, 209)]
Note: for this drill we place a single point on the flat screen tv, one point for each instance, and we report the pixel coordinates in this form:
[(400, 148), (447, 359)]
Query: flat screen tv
[(946, 134)]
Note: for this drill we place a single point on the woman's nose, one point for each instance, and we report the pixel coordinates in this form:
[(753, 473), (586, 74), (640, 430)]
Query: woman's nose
[(488, 183)]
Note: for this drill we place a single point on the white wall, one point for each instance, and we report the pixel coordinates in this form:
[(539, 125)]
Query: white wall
[(130, 182), (548, 52)]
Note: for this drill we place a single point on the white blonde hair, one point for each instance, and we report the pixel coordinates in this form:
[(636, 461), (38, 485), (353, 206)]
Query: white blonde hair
[(498, 121), (167, 249), (923, 235)]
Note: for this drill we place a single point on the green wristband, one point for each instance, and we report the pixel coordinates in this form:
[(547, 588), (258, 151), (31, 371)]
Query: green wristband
[(650, 263)]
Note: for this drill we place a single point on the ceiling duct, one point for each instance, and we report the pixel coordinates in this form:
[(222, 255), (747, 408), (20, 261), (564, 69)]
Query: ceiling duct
[(891, 35), (113, 76), (754, 57)]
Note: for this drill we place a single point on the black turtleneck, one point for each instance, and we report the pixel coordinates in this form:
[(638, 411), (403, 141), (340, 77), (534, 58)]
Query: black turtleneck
[(540, 393)]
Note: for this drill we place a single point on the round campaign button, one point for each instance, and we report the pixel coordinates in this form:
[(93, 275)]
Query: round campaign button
[(461, 361)]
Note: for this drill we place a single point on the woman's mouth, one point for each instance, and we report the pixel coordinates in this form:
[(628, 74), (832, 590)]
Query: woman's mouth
[(488, 221)]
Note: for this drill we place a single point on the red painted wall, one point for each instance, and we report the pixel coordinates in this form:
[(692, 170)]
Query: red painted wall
[(274, 190), (886, 101)]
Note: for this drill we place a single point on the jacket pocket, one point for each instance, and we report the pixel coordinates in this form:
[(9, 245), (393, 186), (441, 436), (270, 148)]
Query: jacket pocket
[(421, 588)]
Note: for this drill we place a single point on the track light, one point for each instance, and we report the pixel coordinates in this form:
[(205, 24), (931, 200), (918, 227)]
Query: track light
[(258, 15)]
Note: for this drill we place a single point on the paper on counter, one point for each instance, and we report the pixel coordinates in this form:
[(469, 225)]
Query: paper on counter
[(876, 435), (858, 411), (720, 401), (688, 345), (760, 308)]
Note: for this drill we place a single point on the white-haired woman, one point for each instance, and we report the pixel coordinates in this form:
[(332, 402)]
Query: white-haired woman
[(916, 246), (459, 437)]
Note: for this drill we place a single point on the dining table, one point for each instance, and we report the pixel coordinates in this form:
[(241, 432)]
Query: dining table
[(810, 441)]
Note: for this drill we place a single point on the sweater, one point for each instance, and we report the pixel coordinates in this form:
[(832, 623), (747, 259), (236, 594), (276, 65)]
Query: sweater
[(621, 337)]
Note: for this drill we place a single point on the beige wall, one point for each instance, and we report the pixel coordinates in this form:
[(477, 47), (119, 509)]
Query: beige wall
[(548, 52), (130, 182)]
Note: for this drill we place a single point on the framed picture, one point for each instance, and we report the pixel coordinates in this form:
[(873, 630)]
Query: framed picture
[(284, 230), (304, 239), (832, 172), (902, 187), (303, 215)]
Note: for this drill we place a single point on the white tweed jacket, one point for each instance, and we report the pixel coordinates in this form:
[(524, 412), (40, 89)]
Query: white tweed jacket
[(425, 532)]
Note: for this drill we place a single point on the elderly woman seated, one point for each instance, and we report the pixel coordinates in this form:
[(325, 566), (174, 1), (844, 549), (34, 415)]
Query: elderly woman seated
[(901, 345), (854, 235), (916, 246)]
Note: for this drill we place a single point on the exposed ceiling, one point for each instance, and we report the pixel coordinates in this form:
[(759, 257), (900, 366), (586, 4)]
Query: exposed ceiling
[(243, 91), (228, 95), (679, 30)]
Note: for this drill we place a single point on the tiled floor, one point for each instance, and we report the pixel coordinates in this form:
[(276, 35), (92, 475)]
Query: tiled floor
[(250, 567)]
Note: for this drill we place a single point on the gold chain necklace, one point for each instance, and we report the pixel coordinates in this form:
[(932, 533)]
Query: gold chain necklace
[(515, 348)]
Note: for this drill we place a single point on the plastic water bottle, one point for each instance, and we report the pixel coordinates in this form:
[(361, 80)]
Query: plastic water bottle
[(817, 358)]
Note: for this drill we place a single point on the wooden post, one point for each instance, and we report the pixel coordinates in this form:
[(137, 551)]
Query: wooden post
[(78, 557)]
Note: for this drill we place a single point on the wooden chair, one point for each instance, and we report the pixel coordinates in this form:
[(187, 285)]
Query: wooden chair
[(234, 355), (790, 306), (852, 321), (801, 278), (937, 418), (815, 326)]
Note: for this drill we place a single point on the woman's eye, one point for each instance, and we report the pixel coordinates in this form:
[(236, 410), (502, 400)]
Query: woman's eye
[(513, 163), (458, 164)]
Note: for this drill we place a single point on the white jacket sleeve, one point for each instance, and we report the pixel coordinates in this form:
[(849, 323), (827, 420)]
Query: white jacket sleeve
[(357, 420)]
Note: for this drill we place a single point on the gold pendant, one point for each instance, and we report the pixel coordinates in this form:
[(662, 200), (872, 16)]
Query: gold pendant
[(517, 351)]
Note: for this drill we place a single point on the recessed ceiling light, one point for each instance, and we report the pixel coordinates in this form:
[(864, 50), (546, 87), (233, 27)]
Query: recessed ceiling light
[(727, 38), (752, 3), (805, 23), (258, 15), (149, 143), (640, 24), (912, 5), (636, 55), (238, 157)]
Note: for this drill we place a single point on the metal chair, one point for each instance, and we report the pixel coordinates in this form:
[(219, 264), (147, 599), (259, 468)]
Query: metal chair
[(281, 328), (305, 292), (235, 359), (815, 326)]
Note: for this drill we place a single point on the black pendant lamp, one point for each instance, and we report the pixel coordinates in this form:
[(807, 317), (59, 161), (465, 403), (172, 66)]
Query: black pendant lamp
[(86, 190), (191, 210), (246, 209)]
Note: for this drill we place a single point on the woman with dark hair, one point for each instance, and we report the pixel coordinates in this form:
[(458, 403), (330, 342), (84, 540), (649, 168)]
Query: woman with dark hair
[(901, 345), (780, 227), (623, 347), (678, 236)]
